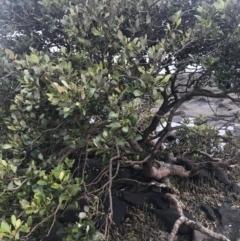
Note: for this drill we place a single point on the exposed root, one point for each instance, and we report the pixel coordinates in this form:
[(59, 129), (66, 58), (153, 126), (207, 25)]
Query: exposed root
[(166, 184), (194, 225), (166, 169)]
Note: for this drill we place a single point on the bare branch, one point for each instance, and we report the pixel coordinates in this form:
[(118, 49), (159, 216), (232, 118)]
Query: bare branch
[(107, 226), (135, 146)]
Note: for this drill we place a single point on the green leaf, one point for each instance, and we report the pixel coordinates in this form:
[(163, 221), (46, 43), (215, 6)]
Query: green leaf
[(6, 146), (175, 17), (159, 77), (81, 142), (146, 77), (168, 27), (107, 15), (113, 115), (10, 185), (141, 70), (87, 228), (17, 234), (158, 102), (5, 227), (63, 197), (37, 70), (81, 40), (120, 141), (29, 108), (161, 89), (4, 163), (61, 175), (34, 58), (154, 91), (137, 101), (137, 93), (72, 11), (18, 223), (13, 220), (91, 92), (97, 236), (178, 22), (82, 215), (18, 182), (55, 101), (86, 209), (63, 50), (148, 18), (200, 9), (114, 126), (138, 138), (166, 78), (95, 32), (29, 221), (219, 4), (42, 182), (55, 186), (125, 129), (73, 189), (46, 57), (134, 119), (120, 34), (65, 83), (40, 156), (105, 134), (83, 96), (130, 47)]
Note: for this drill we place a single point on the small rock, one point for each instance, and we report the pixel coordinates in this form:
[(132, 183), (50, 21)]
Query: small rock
[(209, 212), (236, 197)]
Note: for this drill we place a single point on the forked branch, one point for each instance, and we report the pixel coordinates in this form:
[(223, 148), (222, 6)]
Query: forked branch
[(194, 225)]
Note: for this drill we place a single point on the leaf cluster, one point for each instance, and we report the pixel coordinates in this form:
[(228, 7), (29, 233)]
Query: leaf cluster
[(80, 78)]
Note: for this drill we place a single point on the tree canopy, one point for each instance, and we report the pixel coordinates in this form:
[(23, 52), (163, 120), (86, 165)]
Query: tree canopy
[(79, 80)]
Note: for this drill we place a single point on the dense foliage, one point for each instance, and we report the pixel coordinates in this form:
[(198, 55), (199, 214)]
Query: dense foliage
[(79, 79)]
